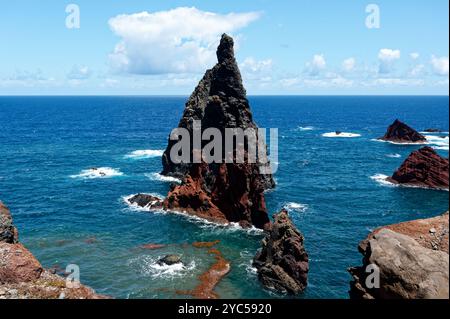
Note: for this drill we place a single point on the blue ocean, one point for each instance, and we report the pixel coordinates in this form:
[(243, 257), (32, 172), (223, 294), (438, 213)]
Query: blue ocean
[(332, 187)]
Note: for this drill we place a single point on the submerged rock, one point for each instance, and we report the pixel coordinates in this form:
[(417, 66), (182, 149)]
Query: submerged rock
[(433, 130), (170, 260), (21, 274), (219, 192), (282, 263), (423, 168), (413, 263), (399, 132)]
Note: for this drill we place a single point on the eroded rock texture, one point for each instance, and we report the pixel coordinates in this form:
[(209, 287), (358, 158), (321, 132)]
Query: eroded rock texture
[(282, 263), (21, 274), (412, 259), (423, 168), (219, 192), (399, 132)]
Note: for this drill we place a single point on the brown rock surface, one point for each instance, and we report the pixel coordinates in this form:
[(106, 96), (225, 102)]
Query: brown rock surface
[(21, 274), (219, 192), (282, 263), (423, 168), (399, 132), (412, 259)]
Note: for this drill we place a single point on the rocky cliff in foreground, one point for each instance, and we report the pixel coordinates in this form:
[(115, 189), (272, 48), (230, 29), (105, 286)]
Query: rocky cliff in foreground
[(399, 132), (21, 274), (412, 259), (282, 263), (219, 192), (423, 168)]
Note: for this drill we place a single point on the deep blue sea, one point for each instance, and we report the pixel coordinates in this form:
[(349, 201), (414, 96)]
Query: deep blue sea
[(66, 216)]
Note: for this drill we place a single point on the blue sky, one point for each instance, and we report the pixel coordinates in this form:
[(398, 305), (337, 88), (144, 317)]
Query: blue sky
[(283, 47)]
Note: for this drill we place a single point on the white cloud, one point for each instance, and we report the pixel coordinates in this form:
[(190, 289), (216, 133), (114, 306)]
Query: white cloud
[(181, 40), (417, 70), (348, 64), (251, 65), (317, 64), (414, 55), (79, 73), (440, 65), (387, 57)]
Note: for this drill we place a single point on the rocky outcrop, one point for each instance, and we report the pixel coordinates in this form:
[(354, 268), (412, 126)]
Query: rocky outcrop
[(21, 274), (412, 260), (399, 132), (423, 168), (170, 260), (220, 192), (146, 201), (282, 263)]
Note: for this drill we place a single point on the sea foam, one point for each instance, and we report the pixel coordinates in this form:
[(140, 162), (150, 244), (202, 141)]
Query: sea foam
[(343, 134), (142, 154), (295, 207), (162, 178), (382, 180), (100, 172)]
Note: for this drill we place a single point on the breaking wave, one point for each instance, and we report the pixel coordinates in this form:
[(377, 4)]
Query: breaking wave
[(162, 178), (141, 154), (100, 172), (343, 134)]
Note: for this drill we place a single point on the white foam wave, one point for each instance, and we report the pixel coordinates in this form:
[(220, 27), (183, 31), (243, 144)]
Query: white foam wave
[(100, 172), (343, 134), (149, 266), (398, 143), (297, 207), (306, 128), (135, 206), (438, 142), (162, 178), (141, 154), (382, 180), (393, 155)]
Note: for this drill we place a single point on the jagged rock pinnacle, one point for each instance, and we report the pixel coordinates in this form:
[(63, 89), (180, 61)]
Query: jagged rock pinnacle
[(225, 50)]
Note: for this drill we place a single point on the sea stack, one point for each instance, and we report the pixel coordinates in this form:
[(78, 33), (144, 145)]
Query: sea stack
[(283, 263), (411, 258), (399, 132), (219, 192), (423, 168), (21, 274)]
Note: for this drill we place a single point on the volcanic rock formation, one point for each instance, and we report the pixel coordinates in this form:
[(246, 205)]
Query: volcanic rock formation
[(423, 168), (220, 192), (21, 274), (282, 263), (399, 132), (412, 260)]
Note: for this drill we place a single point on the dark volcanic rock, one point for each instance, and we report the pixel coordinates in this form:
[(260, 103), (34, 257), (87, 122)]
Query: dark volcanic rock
[(399, 132), (170, 260), (146, 201), (412, 260), (8, 233), (219, 192), (433, 130), (423, 168), (282, 263)]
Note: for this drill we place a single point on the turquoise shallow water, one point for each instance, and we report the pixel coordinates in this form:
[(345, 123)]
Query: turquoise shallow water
[(46, 142)]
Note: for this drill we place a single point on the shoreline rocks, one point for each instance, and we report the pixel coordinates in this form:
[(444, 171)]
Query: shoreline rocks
[(412, 259), (219, 192), (283, 264), (399, 132), (21, 274), (146, 201), (423, 168)]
